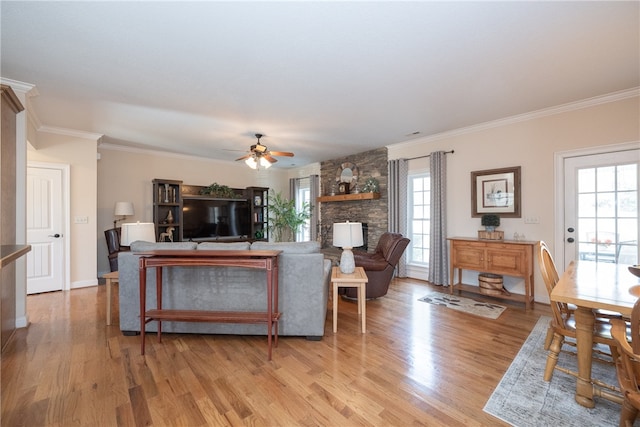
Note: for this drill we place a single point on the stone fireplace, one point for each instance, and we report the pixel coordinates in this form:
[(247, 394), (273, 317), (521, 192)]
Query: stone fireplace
[(373, 213)]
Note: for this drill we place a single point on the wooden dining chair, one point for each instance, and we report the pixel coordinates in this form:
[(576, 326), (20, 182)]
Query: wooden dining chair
[(628, 364), (562, 324)]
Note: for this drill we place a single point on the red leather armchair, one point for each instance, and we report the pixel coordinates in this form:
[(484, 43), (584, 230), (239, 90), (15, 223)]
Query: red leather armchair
[(380, 264)]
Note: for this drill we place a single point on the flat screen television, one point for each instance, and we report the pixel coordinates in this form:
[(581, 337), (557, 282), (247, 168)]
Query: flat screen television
[(215, 219)]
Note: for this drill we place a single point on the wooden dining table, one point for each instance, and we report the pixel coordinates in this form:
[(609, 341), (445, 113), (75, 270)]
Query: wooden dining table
[(590, 286)]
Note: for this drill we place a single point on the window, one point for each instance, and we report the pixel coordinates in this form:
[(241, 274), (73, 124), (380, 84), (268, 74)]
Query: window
[(608, 213), (419, 221), (303, 194)]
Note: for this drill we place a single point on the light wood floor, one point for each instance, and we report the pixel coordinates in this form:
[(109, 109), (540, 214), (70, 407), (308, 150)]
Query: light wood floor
[(418, 364)]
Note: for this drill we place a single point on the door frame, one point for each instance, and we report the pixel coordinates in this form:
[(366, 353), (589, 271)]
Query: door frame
[(66, 212), (558, 183)]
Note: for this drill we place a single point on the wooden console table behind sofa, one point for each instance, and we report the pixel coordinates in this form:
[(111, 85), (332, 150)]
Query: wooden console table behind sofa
[(266, 260), (507, 257)]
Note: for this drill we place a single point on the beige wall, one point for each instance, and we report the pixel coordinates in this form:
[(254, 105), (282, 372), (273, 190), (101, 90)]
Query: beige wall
[(126, 175), (530, 143), (80, 154)]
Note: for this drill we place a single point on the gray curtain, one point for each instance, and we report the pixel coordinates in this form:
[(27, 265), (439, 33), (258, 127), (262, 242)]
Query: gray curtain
[(397, 193), (314, 185), (438, 252), (293, 188)]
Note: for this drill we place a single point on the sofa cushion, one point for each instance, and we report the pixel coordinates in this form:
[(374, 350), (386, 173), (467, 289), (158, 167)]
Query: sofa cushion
[(287, 247), (140, 246), (221, 246)]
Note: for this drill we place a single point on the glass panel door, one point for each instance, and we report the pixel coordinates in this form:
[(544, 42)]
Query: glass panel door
[(601, 207)]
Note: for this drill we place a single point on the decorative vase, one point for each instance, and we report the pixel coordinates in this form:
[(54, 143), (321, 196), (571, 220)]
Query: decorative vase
[(166, 193)]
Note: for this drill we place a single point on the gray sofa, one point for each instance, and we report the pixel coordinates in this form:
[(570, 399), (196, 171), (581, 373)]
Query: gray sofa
[(303, 289)]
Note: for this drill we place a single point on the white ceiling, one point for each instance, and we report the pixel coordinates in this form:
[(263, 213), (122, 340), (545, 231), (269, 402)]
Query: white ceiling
[(321, 79)]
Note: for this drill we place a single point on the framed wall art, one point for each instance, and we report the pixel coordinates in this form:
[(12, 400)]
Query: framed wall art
[(496, 191)]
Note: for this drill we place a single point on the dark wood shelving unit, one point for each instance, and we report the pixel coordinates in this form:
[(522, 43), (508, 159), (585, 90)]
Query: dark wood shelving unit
[(167, 199), (258, 212)]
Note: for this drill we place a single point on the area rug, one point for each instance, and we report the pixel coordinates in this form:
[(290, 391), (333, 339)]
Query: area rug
[(467, 305), (524, 399)]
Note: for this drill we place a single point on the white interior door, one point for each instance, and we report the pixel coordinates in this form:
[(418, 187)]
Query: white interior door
[(45, 226), (601, 207)]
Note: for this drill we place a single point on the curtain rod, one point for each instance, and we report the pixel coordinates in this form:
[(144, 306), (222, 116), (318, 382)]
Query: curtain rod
[(429, 155)]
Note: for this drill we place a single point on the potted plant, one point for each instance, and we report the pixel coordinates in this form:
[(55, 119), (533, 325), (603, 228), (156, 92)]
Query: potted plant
[(490, 222), (219, 191), (284, 218)]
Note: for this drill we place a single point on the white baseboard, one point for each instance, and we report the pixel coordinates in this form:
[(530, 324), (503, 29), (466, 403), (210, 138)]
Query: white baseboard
[(22, 321), (417, 272), (84, 283)]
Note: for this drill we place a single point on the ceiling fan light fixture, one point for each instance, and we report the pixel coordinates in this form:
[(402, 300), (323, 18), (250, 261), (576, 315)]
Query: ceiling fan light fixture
[(260, 156), (251, 162), (257, 162), (265, 163)]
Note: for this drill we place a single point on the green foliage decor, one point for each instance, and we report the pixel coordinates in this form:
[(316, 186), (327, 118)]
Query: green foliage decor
[(490, 220), (371, 186), (284, 219), (220, 191)]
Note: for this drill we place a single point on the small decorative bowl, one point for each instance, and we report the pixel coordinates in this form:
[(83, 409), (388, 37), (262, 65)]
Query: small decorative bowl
[(635, 270)]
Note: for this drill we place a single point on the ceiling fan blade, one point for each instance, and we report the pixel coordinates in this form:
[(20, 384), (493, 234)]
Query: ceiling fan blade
[(244, 157), (269, 158), (281, 153)]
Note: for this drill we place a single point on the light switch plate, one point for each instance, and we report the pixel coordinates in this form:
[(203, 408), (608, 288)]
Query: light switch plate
[(81, 220)]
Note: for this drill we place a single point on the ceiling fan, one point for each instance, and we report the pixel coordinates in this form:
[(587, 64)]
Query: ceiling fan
[(260, 155)]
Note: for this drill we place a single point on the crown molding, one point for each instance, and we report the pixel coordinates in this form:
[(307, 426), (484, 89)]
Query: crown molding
[(27, 89), (157, 152), (563, 108), (70, 132)]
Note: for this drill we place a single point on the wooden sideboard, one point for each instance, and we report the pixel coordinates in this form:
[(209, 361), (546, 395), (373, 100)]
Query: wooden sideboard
[(505, 257)]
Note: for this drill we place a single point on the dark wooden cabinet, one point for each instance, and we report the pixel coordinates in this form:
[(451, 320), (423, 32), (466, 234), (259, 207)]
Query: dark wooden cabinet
[(258, 198), (167, 209), (244, 218)]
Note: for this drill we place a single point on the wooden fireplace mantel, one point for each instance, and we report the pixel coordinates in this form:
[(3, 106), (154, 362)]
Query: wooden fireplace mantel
[(346, 197)]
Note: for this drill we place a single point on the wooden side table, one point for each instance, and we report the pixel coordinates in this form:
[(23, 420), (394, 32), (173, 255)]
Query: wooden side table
[(158, 259), (357, 279), (110, 279)]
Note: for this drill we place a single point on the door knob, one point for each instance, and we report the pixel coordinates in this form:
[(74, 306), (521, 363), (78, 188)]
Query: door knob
[(570, 230), (55, 235), (570, 240)]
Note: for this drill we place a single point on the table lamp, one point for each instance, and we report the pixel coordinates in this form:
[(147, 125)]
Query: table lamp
[(133, 231), (347, 235), (122, 209)]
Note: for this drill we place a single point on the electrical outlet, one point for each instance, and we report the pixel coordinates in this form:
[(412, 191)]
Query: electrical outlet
[(81, 220), (531, 220)]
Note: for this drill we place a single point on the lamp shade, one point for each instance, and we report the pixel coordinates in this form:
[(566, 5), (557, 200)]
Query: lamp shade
[(123, 208), (347, 234), (133, 231)]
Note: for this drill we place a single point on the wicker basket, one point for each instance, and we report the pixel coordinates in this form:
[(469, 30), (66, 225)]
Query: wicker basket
[(490, 235), (491, 284)]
